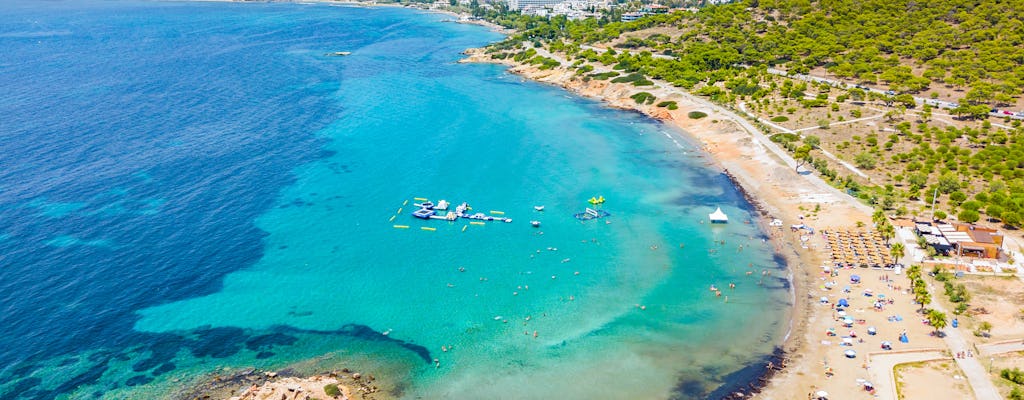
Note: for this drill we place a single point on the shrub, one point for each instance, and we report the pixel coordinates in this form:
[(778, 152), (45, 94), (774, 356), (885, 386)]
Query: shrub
[(781, 118), (643, 97), (544, 62), (1013, 375), (584, 69), (865, 160), (332, 390), (784, 137), (671, 105), (631, 78), (696, 115), (1016, 394), (604, 75)]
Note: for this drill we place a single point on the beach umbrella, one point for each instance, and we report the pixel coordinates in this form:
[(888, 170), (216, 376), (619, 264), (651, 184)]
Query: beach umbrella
[(824, 299), (872, 331), (843, 303), (848, 341), (821, 395), (886, 345), (848, 320), (850, 354), (854, 278)]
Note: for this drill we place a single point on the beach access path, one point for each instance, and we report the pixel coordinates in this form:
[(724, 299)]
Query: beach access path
[(1006, 346), (976, 374), (883, 373)]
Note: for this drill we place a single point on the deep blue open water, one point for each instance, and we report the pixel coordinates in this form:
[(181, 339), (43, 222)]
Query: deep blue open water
[(196, 187)]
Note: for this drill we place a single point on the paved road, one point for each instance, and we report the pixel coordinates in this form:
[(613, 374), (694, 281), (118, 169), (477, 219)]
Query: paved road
[(992, 349), (882, 365), (743, 108)]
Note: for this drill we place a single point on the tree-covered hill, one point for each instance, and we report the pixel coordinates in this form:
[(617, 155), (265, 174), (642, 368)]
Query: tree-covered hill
[(907, 45), (906, 151)]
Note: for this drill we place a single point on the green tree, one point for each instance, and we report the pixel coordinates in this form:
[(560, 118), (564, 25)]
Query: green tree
[(865, 160), (994, 211), (878, 217), (937, 319), (887, 231), (922, 242), (1010, 218), (896, 251), (968, 216), (812, 141), (948, 183), (801, 154), (921, 295)]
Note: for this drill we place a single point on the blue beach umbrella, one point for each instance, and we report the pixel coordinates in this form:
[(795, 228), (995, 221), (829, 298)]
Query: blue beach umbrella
[(843, 303)]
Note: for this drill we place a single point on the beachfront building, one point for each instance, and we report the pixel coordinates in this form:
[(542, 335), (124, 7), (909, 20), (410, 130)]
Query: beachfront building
[(520, 5), (962, 240)]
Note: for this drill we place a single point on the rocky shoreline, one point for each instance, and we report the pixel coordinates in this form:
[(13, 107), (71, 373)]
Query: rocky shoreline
[(255, 384)]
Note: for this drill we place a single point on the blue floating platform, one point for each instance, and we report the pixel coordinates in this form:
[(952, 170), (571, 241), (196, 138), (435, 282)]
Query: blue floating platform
[(590, 214)]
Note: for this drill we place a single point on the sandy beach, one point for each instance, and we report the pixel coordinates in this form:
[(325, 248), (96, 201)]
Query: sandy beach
[(814, 360)]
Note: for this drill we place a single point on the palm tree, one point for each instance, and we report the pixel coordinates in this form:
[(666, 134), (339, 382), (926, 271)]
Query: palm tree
[(922, 243), (922, 297), (878, 217), (937, 319), (887, 231), (896, 251)]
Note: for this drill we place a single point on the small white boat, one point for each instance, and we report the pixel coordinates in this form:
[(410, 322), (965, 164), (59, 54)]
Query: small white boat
[(535, 223), (538, 208), (339, 53)]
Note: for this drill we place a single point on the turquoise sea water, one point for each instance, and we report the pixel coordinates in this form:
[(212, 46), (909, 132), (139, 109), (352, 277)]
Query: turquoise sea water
[(196, 187)]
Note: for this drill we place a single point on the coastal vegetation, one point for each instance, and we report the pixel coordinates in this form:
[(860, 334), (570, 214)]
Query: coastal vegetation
[(1013, 375), (643, 98), (957, 293), (696, 114), (671, 105), (877, 61), (332, 390)]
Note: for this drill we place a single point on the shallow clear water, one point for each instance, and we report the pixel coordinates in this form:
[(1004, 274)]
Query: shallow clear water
[(189, 187)]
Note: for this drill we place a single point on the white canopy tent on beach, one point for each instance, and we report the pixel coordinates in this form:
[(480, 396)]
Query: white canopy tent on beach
[(718, 216)]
